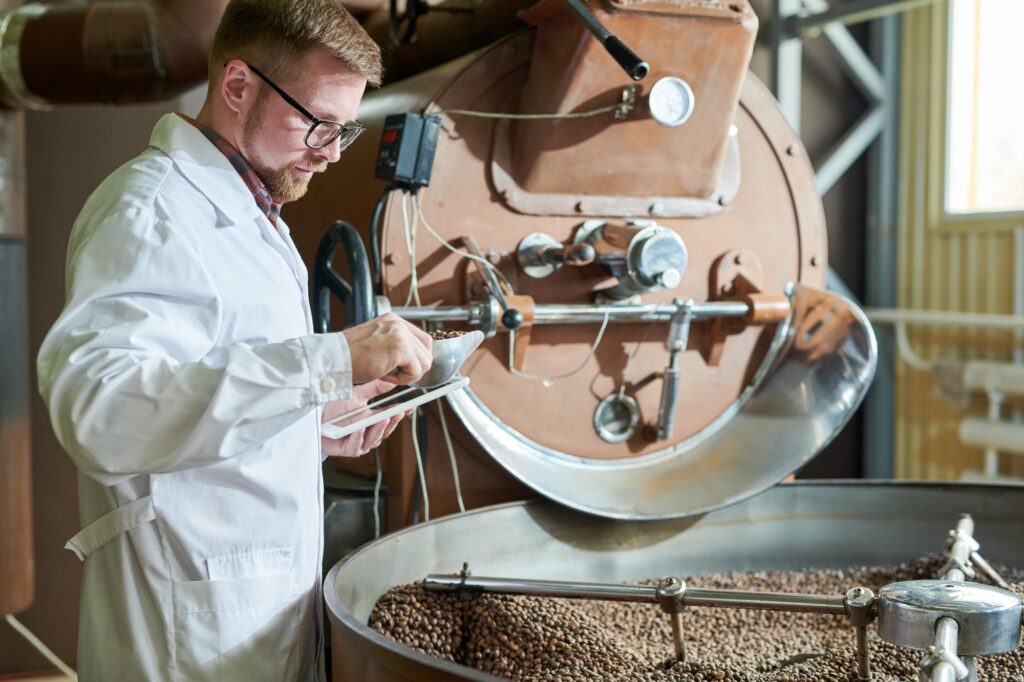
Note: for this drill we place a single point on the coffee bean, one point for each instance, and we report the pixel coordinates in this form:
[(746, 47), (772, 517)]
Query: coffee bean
[(535, 639), (441, 334)]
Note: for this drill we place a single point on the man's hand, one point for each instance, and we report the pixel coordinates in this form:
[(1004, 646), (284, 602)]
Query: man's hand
[(360, 442), (388, 348)]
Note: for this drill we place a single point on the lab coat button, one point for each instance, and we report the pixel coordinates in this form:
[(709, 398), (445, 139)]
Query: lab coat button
[(327, 385)]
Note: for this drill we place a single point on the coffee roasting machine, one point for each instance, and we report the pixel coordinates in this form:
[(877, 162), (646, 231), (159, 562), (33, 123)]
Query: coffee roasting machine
[(619, 205)]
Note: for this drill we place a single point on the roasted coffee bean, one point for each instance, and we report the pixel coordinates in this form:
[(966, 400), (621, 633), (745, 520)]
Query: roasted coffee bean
[(536, 639), (441, 334)]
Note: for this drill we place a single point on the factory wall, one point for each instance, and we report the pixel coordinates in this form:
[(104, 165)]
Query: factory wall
[(943, 267)]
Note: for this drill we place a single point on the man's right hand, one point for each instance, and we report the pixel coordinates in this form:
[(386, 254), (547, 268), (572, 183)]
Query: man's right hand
[(388, 348)]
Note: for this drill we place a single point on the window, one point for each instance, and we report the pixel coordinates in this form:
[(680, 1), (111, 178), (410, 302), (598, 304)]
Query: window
[(985, 134)]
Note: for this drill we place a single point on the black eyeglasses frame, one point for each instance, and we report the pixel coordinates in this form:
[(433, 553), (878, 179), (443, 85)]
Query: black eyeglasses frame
[(351, 130)]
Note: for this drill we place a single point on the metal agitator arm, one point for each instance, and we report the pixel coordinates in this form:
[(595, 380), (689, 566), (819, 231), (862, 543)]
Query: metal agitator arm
[(937, 616)]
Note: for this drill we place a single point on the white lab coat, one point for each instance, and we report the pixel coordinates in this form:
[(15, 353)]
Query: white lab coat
[(184, 380)]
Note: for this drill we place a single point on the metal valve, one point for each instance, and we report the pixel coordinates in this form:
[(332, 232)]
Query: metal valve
[(539, 255)]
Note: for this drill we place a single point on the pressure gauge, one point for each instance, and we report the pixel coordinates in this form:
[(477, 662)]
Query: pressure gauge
[(671, 101)]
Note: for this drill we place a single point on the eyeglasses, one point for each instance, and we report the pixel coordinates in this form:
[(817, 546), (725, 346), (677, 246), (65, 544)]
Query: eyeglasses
[(321, 133)]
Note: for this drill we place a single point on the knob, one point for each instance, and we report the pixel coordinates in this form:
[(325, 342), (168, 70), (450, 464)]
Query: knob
[(512, 318)]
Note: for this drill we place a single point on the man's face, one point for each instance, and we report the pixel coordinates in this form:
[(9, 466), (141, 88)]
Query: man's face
[(273, 132)]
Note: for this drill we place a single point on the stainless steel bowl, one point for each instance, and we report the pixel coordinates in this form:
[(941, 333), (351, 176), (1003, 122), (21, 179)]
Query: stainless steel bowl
[(831, 524)]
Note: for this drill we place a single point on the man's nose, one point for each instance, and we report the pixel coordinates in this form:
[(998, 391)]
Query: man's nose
[(332, 152)]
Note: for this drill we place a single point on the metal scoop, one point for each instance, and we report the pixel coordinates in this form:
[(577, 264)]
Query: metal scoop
[(449, 354)]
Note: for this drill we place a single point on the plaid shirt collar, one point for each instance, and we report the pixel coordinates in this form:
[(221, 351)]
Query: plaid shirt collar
[(266, 203)]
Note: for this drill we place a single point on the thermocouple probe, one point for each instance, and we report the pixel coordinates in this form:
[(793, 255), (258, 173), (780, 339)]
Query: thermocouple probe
[(630, 61)]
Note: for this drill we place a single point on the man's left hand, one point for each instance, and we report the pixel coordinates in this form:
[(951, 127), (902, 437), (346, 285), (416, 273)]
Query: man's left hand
[(360, 442)]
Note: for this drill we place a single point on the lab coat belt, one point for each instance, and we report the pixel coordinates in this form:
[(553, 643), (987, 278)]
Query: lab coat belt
[(110, 525)]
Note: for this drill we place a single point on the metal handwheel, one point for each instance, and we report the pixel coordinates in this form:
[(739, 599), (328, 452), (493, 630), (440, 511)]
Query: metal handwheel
[(357, 295)]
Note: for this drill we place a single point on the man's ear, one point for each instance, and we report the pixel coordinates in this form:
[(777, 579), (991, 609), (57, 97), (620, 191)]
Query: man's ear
[(233, 81)]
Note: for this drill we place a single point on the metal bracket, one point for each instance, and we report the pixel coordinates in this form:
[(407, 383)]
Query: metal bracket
[(937, 655)]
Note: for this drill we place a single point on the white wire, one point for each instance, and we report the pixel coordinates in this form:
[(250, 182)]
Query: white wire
[(548, 380), (410, 245), (527, 117), (419, 469), (632, 356), (376, 493), (446, 244), (38, 645), (451, 456)]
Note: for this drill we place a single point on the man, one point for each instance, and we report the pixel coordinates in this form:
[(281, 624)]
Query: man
[(183, 377)]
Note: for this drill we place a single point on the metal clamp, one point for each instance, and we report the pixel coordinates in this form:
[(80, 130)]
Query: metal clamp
[(671, 594), (966, 538), (860, 607), (937, 655)]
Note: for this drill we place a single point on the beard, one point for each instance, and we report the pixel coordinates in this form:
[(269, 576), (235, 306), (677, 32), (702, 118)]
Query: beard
[(284, 184)]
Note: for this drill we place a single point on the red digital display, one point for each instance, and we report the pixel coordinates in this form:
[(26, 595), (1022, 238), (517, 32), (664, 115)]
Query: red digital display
[(390, 136)]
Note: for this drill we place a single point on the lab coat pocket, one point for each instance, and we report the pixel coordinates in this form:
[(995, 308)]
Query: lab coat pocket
[(226, 629)]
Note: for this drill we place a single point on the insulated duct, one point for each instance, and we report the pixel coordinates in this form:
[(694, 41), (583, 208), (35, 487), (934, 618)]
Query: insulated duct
[(105, 52)]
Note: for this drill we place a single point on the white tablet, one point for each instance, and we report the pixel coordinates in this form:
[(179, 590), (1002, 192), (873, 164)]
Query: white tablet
[(419, 396)]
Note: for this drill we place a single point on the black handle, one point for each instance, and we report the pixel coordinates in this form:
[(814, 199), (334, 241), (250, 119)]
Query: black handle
[(630, 61), (636, 67), (357, 296)]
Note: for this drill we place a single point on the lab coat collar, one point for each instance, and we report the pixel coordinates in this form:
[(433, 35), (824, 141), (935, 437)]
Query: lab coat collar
[(206, 168)]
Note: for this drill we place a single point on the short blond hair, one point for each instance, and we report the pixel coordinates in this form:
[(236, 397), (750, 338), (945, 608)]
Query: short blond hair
[(275, 33)]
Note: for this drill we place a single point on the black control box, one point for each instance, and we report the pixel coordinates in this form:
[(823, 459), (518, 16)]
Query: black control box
[(407, 146)]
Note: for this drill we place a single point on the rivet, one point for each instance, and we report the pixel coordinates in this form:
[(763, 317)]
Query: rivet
[(793, 149)]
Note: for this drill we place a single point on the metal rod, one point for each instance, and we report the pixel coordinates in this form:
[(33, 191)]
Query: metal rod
[(948, 667), (677, 636), (434, 314), (543, 588), (855, 13), (586, 314), (960, 552), (989, 572), (863, 653), (735, 599), (634, 66), (766, 601)]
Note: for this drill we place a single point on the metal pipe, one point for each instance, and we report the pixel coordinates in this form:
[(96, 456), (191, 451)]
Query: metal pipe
[(735, 599), (677, 636), (863, 653), (854, 13), (943, 318), (960, 551), (998, 435), (948, 667), (766, 601), (585, 314), (543, 588)]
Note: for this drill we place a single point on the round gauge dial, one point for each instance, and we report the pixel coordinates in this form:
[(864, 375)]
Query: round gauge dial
[(671, 101)]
